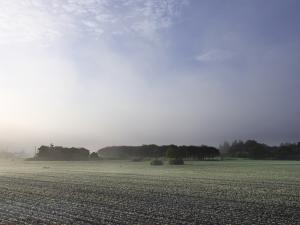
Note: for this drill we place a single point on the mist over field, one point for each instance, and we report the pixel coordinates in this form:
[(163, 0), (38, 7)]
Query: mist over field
[(130, 72), (149, 112)]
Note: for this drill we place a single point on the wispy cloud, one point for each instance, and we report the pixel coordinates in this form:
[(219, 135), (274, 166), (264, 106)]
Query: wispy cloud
[(25, 20), (214, 55)]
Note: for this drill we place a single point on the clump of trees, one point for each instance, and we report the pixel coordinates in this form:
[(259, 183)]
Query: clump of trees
[(137, 160), (94, 156), (176, 161), (58, 153), (154, 151), (254, 150), (156, 162)]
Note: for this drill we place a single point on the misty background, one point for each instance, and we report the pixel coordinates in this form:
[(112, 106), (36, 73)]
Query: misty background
[(95, 73)]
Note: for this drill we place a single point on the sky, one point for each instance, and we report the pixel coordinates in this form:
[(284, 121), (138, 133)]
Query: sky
[(97, 73)]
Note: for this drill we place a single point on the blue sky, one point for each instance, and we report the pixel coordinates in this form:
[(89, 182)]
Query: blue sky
[(96, 72)]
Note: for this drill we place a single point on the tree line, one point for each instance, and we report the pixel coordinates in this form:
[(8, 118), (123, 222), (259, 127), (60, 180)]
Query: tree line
[(254, 150), (154, 151), (242, 149)]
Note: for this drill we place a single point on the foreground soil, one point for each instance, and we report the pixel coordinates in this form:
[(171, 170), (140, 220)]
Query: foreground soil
[(121, 192)]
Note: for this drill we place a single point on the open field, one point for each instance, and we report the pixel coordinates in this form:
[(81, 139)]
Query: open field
[(121, 192)]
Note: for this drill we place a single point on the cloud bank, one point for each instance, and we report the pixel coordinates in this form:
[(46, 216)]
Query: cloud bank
[(94, 73)]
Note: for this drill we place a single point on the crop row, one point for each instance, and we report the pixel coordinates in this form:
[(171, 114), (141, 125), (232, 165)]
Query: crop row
[(131, 199)]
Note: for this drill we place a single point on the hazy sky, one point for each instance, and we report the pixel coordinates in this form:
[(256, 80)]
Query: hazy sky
[(108, 72)]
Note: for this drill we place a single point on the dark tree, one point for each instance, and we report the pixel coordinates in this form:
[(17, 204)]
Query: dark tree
[(253, 150), (173, 152), (94, 156)]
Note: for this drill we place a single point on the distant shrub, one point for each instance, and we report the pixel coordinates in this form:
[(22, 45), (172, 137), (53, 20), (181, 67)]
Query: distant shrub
[(31, 159), (137, 160), (176, 162), (156, 162), (94, 156)]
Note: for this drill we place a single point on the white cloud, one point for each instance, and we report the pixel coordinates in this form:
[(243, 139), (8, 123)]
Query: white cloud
[(214, 55), (44, 21), (21, 22)]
